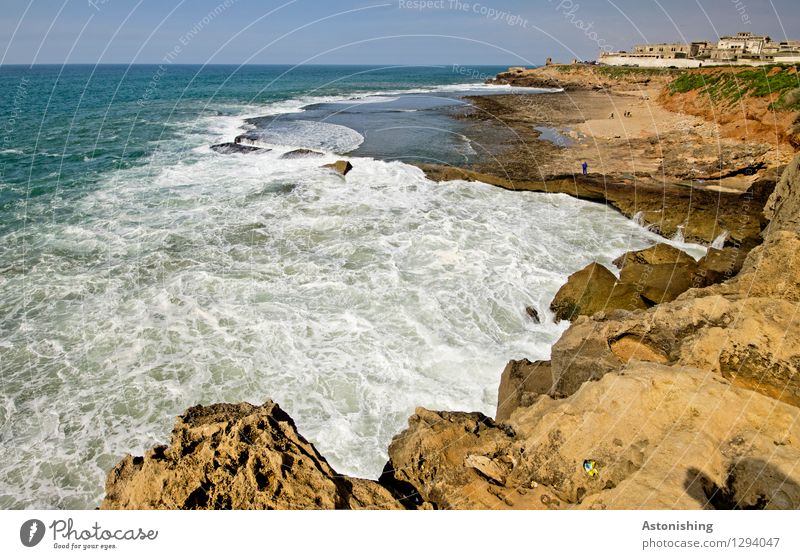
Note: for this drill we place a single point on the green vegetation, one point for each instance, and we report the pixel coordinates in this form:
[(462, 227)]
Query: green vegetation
[(728, 85), (618, 72)]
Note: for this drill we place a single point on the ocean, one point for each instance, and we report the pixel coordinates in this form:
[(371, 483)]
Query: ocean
[(142, 272)]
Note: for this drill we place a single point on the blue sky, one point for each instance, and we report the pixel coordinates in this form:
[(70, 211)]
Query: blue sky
[(367, 32)]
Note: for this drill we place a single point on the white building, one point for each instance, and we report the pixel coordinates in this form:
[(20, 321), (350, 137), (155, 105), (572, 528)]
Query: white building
[(740, 49)]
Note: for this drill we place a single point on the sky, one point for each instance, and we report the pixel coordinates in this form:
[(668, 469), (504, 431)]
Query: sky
[(501, 32)]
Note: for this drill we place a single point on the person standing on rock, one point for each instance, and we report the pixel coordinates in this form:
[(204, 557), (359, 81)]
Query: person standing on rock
[(585, 168)]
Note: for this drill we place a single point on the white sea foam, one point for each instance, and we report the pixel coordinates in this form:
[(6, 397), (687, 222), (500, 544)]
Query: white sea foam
[(719, 242), (310, 134), (198, 279)]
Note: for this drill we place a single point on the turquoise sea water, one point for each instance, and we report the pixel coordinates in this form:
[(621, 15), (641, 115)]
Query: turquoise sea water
[(142, 273), (76, 122)]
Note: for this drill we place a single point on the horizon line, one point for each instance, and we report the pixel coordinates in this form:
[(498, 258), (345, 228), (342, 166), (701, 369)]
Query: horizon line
[(395, 64)]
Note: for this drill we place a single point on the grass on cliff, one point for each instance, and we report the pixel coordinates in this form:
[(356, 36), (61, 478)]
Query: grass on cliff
[(728, 86), (618, 72)]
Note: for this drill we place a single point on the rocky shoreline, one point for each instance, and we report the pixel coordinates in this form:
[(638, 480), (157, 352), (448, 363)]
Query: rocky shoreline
[(677, 383)]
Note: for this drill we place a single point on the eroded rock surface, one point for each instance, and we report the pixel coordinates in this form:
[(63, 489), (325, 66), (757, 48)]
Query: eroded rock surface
[(237, 456), (520, 384), (662, 438)]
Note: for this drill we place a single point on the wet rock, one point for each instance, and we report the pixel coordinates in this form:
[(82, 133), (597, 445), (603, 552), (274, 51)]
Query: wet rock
[(533, 313), (241, 456), (229, 148), (301, 154), (342, 167)]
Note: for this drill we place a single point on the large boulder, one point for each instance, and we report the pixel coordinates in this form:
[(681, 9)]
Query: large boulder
[(591, 290), (648, 277), (301, 154), (240, 456), (342, 167)]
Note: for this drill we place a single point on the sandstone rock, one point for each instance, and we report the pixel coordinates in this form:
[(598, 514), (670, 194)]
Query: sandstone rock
[(590, 290), (793, 135), (677, 435), (342, 167), (658, 283), (240, 456), (770, 270), (699, 214), (431, 457), (520, 384), (656, 443), (633, 348), (719, 265), (660, 253), (649, 277), (783, 206), (743, 329), (231, 148), (487, 467), (742, 339)]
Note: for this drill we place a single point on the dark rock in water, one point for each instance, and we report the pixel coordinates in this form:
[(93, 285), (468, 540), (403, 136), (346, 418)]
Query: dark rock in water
[(245, 139), (299, 153), (533, 313), (230, 148), (342, 167)]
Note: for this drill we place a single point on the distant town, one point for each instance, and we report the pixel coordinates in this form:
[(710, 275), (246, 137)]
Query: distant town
[(741, 49)]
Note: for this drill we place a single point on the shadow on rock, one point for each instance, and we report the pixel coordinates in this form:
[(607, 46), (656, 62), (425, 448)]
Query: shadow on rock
[(751, 484)]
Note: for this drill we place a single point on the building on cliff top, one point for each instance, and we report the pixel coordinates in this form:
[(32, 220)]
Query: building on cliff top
[(740, 49)]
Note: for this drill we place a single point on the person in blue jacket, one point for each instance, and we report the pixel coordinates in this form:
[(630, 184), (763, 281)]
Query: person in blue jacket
[(585, 167)]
